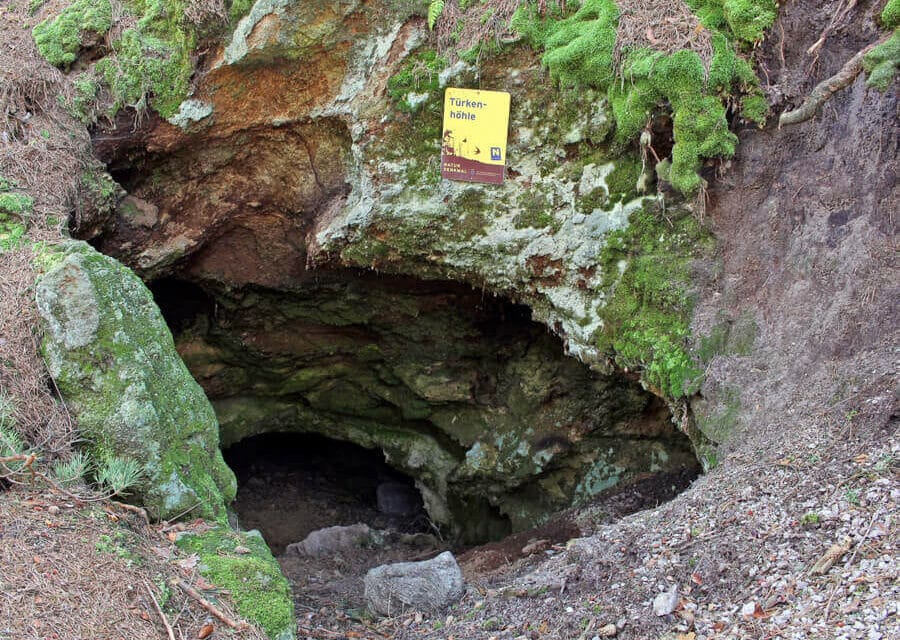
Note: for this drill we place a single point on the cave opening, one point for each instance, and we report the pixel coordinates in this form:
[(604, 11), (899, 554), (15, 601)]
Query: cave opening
[(454, 396), (291, 484)]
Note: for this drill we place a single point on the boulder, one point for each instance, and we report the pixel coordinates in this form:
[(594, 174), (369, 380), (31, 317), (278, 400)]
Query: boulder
[(323, 542), (431, 585), (112, 357)]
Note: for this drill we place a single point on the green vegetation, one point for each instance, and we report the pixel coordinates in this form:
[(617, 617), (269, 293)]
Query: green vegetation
[(890, 15), (882, 62), (580, 51), (646, 319), (60, 40), (418, 75), (435, 9), (811, 519), (148, 65), (121, 545), (15, 210), (250, 574), (238, 9)]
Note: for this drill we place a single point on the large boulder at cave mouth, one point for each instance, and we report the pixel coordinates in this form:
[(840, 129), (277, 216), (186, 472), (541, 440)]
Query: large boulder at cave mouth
[(112, 357)]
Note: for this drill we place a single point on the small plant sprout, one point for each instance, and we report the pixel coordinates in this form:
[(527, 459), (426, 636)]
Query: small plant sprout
[(811, 519), (117, 475)]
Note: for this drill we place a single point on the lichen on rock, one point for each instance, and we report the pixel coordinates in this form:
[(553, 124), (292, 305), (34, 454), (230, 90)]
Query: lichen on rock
[(111, 355)]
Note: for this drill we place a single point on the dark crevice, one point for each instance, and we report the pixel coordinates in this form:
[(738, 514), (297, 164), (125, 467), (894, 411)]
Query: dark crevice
[(291, 484)]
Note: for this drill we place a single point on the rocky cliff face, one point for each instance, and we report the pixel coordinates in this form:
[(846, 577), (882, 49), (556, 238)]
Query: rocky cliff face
[(310, 146)]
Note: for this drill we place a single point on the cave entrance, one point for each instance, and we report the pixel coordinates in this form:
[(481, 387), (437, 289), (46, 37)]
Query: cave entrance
[(290, 484), (460, 390)]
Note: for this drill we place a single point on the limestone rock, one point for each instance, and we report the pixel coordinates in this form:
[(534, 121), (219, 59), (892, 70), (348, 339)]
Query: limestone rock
[(431, 585), (323, 542), (665, 602), (111, 354)]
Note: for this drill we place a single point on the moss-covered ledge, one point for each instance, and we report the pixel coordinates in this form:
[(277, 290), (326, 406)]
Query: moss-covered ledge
[(112, 358), (242, 564)]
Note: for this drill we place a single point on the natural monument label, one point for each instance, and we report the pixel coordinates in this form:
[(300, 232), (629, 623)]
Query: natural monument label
[(473, 145)]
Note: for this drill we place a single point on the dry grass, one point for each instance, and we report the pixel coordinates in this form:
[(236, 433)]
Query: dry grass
[(76, 571), (42, 153), (42, 420), (205, 11), (666, 26), (458, 30)]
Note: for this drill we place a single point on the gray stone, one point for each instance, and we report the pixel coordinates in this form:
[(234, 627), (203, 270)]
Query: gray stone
[(323, 542), (665, 602), (431, 585)]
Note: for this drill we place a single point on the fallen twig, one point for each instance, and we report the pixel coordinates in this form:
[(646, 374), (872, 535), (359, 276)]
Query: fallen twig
[(162, 616), (834, 553), (214, 610)]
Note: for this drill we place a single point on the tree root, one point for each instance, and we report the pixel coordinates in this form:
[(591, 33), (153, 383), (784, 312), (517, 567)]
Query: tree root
[(827, 88)]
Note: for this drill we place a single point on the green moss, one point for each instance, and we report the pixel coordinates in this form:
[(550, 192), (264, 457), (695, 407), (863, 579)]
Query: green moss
[(82, 103), (748, 19), (414, 138), (152, 64), (623, 179), (882, 62), (148, 65), (17, 204), (755, 108), (717, 426), (15, 211), (536, 210), (60, 39), (238, 9), (417, 75), (890, 15), (260, 591), (728, 338), (647, 316), (579, 50)]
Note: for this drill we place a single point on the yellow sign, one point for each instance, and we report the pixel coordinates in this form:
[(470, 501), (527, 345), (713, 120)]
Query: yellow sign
[(473, 147)]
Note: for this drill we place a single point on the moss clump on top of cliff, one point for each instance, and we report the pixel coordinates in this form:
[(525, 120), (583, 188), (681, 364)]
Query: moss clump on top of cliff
[(148, 65), (60, 40), (581, 51), (646, 321)]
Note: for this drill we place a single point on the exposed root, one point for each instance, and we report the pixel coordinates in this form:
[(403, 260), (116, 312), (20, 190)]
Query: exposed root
[(827, 88)]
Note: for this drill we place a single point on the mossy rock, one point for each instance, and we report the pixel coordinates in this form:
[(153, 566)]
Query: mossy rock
[(112, 357), (260, 591)]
